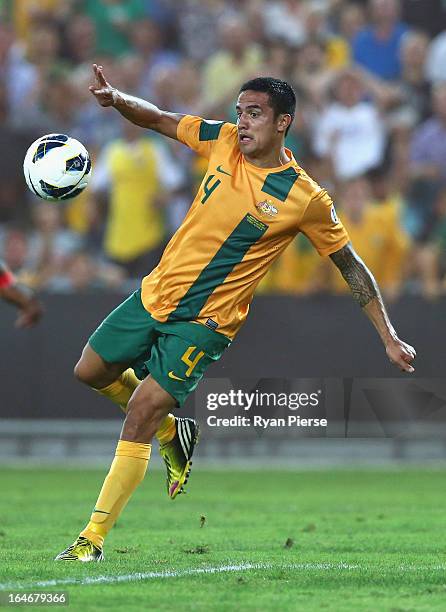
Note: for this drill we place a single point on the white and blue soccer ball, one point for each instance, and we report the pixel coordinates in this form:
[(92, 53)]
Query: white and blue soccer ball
[(57, 167)]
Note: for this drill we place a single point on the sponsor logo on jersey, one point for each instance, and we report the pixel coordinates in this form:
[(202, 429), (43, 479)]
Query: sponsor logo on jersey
[(267, 208), (334, 216)]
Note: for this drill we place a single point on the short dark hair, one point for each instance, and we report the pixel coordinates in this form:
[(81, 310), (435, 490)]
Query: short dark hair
[(281, 95)]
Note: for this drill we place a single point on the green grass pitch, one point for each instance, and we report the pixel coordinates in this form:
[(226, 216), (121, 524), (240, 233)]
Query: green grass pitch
[(330, 540)]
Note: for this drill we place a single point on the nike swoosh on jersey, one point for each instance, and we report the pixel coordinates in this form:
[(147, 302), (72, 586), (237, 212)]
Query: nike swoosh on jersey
[(175, 377), (220, 169)]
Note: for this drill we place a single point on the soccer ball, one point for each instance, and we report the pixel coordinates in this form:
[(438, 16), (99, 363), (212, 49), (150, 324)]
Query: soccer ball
[(57, 167)]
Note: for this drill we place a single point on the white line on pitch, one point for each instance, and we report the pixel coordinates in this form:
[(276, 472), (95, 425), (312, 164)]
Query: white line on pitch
[(242, 567), (138, 576)]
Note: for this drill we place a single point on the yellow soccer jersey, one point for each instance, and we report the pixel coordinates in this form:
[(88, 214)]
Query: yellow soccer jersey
[(242, 218), (135, 223), (381, 242)]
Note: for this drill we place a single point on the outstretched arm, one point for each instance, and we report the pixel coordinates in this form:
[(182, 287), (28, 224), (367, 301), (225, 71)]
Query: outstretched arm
[(365, 291), (20, 296), (136, 110)]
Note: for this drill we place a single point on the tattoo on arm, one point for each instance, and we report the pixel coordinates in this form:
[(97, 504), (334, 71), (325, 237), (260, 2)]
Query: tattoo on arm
[(358, 277)]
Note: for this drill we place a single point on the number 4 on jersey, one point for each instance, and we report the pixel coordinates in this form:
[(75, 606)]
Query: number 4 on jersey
[(208, 188)]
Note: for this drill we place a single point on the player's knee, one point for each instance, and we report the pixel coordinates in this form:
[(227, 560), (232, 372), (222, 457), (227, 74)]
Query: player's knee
[(81, 372), (84, 374)]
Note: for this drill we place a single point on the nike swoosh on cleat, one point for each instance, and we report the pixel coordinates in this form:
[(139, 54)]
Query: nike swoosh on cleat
[(101, 511), (175, 377), (220, 169)]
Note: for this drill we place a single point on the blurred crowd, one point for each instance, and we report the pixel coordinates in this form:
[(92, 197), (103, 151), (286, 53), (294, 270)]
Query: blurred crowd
[(370, 79)]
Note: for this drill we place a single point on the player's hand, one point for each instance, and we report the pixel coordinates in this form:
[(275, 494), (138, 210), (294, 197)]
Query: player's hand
[(401, 354), (104, 93), (30, 314)]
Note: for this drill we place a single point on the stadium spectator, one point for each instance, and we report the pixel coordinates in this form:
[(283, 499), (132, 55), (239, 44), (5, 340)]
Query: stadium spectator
[(15, 70), (428, 166), (237, 61), (278, 60), (80, 41), (350, 135), (299, 270), (436, 59), (83, 273), (188, 88), (377, 46), (14, 141), (29, 14), (285, 19), (165, 87), (42, 62), (44, 47), (435, 277), (376, 229), (138, 175), (50, 244), (198, 21), (15, 246), (55, 108), (313, 75), (147, 40), (426, 15), (415, 87), (351, 21), (130, 73), (91, 127), (113, 20)]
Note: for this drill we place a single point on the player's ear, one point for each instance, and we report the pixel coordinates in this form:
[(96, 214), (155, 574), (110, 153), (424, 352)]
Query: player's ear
[(283, 121)]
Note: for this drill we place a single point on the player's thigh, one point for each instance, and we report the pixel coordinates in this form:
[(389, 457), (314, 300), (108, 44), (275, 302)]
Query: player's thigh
[(94, 371)]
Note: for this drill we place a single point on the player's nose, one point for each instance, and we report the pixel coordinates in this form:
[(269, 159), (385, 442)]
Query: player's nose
[(242, 122)]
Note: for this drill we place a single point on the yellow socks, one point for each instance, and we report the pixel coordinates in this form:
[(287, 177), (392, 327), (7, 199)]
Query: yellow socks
[(121, 390), (126, 472), (166, 431)]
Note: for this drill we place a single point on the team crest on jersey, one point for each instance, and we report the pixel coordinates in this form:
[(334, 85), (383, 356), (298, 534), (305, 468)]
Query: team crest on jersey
[(267, 208)]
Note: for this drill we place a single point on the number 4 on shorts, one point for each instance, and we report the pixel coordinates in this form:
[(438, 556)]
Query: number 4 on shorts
[(191, 361)]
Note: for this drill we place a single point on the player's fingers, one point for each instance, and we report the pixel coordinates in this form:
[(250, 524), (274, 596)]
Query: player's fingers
[(405, 366), (409, 354), (98, 92), (412, 351), (101, 77), (95, 72)]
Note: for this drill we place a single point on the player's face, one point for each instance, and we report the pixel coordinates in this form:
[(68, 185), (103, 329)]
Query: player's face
[(258, 129)]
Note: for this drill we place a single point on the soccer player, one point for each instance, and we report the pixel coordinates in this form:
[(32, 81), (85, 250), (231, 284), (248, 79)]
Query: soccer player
[(30, 309), (253, 200)]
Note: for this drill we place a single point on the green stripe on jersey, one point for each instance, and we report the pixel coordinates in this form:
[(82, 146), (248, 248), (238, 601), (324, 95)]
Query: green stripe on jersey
[(210, 131), (278, 184), (231, 252)]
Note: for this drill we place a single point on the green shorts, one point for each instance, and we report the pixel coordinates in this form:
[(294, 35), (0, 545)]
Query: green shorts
[(175, 353)]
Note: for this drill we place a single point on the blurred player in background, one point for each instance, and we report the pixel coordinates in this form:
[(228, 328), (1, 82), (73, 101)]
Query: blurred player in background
[(30, 309), (253, 200)]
